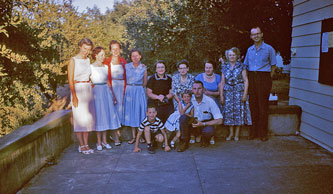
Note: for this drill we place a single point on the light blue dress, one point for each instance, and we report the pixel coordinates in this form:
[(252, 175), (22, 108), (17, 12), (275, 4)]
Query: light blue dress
[(135, 104), (211, 86), (172, 124), (118, 82), (106, 115)]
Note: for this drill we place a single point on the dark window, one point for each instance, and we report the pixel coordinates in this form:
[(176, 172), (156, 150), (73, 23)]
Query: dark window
[(326, 58)]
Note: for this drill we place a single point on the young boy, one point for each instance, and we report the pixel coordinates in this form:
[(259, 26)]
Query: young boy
[(154, 131)]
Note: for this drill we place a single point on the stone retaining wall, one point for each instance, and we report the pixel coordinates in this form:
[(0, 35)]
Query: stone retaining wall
[(26, 150)]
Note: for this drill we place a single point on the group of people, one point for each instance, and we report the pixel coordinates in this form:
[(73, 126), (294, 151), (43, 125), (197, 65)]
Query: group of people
[(110, 93)]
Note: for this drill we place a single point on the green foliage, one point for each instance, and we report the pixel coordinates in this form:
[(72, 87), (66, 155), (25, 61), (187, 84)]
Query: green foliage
[(37, 38)]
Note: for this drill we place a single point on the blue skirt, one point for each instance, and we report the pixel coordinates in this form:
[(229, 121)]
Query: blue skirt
[(106, 113), (135, 106)]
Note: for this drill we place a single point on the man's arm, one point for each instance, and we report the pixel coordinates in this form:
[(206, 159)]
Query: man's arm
[(208, 123)]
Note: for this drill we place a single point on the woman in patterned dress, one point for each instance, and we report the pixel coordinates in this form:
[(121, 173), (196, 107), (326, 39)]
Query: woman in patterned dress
[(135, 105), (234, 94), (117, 79), (106, 116), (181, 81), (82, 96)]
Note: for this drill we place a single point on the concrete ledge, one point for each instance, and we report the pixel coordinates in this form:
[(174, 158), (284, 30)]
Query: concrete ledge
[(282, 120), (26, 150)]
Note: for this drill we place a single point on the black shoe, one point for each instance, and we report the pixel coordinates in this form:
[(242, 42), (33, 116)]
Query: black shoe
[(150, 149), (204, 144), (182, 147), (264, 139)]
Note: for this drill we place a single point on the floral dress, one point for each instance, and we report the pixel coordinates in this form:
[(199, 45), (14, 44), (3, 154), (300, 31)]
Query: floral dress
[(178, 87), (235, 111)]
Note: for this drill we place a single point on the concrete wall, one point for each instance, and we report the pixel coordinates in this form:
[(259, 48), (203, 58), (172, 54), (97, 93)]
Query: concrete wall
[(26, 150), (315, 99), (282, 120)]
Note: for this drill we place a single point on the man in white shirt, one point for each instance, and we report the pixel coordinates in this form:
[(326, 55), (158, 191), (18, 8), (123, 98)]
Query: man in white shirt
[(206, 113)]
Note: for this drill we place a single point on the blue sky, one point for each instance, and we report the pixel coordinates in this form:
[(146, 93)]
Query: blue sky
[(101, 4)]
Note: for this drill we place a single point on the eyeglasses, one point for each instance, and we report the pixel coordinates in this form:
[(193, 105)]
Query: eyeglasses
[(256, 34)]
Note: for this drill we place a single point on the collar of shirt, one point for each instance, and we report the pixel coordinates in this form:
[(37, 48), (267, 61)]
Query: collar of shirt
[(253, 47), (203, 101), (164, 78)]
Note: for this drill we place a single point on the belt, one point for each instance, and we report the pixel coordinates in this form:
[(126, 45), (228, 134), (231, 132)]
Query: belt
[(99, 83), (75, 82), (116, 79), (259, 72), (134, 84)]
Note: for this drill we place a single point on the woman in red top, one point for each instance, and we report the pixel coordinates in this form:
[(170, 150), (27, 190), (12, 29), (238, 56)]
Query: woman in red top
[(117, 80)]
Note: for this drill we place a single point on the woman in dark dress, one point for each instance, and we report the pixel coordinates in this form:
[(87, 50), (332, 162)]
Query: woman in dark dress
[(159, 91)]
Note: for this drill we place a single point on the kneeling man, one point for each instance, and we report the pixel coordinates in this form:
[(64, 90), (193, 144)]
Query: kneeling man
[(207, 114)]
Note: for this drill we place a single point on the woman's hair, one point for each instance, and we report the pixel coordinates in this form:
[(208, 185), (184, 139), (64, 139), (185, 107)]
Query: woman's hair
[(189, 92), (235, 50), (135, 50), (159, 61), (184, 61), (96, 51), (114, 42), (86, 41), (211, 62)]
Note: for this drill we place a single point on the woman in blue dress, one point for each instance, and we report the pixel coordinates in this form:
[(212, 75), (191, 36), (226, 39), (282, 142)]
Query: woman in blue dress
[(234, 94), (106, 115), (117, 79), (211, 83), (135, 102)]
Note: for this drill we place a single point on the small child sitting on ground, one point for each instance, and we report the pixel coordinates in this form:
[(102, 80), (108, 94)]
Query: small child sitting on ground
[(153, 131), (184, 107)]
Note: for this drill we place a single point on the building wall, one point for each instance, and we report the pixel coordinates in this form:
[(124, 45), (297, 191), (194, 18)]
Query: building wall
[(315, 99)]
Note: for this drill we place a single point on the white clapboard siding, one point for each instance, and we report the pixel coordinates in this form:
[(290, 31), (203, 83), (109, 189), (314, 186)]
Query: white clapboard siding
[(297, 2), (319, 111), (306, 40), (314, 16), (310, 85), (310, 6), (314, 98), (305, 63), (324, 138), (320, 123), (311, 51), (309, 28), (308, 74)]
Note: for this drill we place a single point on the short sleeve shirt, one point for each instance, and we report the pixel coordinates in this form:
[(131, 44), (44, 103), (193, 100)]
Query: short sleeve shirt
[(206, 109), (159, 86), (260, 59), (154, 127), (210, 86)]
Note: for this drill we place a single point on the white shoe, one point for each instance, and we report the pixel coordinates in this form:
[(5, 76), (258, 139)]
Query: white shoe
[(198, 139), (228, 138), (99, 147), (172, 144), (212, 141), (192, 140), (107, 146), (236, 138)]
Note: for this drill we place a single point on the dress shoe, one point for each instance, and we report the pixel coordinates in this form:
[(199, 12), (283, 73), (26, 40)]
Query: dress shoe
[(251, 137), (182, 147), (263, 138)]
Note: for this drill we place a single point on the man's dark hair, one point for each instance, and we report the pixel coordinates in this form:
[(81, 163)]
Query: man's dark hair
[(198, 82)]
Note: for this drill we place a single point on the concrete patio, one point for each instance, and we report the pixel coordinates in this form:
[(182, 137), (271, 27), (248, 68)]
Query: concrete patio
[(284, 164)]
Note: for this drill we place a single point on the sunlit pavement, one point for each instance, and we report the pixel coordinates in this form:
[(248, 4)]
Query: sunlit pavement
[(285, 164)]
